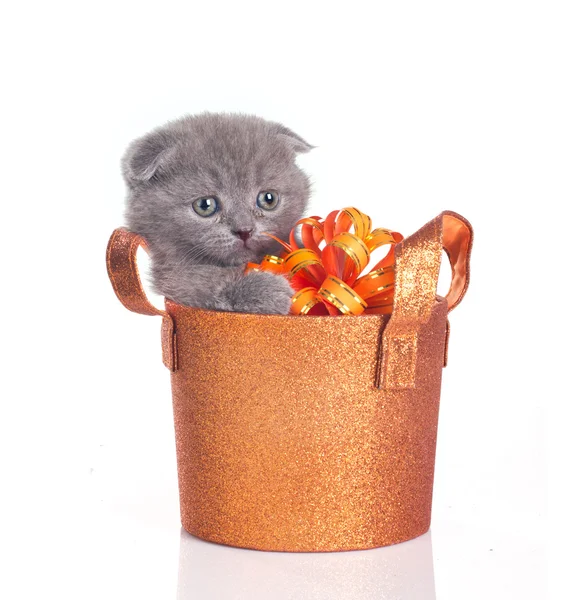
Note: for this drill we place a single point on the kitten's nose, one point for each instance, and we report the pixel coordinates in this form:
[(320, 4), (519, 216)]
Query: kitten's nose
[(243, 234)]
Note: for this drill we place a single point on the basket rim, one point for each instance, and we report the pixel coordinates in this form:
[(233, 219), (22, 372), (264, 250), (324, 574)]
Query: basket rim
[(174, 307)]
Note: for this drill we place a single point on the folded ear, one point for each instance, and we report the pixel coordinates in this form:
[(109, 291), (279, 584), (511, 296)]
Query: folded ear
[(297, 143), (146, 155)]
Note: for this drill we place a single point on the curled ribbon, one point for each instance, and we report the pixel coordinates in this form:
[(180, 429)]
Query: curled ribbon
[(327, 272)]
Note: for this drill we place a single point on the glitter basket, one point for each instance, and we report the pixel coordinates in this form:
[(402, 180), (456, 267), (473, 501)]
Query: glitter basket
[(309, 433)]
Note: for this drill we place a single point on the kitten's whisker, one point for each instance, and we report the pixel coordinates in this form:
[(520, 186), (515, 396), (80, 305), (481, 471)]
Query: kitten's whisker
[(192, 254)]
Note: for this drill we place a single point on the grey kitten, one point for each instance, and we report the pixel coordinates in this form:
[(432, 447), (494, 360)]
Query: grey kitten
[(201, 190)]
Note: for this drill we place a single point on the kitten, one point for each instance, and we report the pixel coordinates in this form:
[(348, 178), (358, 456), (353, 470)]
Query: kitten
[(201, 190)]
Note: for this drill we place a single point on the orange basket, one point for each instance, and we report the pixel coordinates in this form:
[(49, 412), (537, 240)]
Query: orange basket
[(309, 433)]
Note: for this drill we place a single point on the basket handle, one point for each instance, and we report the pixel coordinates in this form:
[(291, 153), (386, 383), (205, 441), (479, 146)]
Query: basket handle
[(417, 264), (121, 260)]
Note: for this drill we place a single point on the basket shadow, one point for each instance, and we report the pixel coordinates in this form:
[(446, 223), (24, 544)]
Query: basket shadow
[(212, 571)]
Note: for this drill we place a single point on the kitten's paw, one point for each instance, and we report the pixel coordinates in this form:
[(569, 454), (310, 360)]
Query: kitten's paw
[(263, 293)]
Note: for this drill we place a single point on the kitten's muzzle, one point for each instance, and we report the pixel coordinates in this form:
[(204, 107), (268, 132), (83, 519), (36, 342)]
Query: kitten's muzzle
[(243, 234)]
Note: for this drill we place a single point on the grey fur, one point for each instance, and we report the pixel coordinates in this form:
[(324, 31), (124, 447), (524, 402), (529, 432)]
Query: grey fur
[(196, 260)]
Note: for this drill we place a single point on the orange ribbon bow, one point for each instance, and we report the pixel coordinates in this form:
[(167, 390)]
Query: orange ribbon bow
[(326, 271)]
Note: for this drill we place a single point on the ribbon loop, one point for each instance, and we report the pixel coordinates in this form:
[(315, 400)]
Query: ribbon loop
[(341, 295)]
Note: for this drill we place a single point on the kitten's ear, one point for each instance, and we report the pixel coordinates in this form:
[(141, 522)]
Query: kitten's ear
[(146, 155), (297, 143)]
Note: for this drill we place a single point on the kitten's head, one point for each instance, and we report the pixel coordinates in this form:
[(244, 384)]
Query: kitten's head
[(205, 187)]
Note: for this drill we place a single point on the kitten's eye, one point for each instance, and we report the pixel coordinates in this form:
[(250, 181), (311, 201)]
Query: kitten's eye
[(268, 200), (205, 207)]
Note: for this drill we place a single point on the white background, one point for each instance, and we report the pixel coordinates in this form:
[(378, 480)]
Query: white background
[(414, 108)]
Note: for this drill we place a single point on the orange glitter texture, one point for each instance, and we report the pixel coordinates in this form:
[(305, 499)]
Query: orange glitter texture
[(326, 271), (314, 434)]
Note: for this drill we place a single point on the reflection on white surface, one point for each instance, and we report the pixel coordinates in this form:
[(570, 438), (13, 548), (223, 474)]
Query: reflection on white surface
[(210, 571)]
